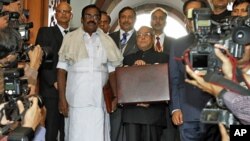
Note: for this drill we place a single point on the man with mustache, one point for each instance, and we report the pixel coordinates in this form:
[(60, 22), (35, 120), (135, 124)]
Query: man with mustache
[(86, 56), (105, 22), (162, 44), (220, 10), (158, 23), (125, 39)]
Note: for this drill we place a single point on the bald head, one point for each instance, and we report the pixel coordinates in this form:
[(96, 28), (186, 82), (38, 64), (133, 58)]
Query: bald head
[(145, 38), (63, 14)]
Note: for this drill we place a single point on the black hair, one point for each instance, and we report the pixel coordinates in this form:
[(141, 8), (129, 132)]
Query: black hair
[(202, 2), (10, 41), (238, 2), (126, 8), (90, 6), (105, 13)]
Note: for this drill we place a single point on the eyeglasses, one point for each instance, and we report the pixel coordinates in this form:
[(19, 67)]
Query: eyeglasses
[(140, 35), (89, 16), (63, 11)]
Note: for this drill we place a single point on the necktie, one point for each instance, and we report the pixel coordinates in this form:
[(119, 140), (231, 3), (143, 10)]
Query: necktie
[(65, 31), (158, 44), (124, 39)]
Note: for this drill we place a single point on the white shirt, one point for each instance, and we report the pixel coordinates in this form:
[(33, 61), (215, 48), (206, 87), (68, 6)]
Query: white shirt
[(86, 78), (62, 29)]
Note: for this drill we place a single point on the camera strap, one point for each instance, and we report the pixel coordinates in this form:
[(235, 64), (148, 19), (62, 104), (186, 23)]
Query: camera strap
[(225, 83)]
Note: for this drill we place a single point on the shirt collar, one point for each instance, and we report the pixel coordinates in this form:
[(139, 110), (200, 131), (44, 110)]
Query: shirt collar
[(94, 33), (130, 32), (161, 36), (62, 29)]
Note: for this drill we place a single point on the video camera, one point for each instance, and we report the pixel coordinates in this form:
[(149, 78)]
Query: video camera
[(24, 35), (237, 30), (215, 112), (15, 88), (23, 29), (233, 33), (201, 53)]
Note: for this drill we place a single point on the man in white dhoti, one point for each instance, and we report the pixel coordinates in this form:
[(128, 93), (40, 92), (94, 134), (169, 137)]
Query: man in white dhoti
[(86, 56)]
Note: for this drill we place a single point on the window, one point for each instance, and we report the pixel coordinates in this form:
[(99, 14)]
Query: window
[(173, 28)]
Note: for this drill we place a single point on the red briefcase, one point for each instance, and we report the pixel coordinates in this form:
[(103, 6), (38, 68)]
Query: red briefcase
[(109, 91)]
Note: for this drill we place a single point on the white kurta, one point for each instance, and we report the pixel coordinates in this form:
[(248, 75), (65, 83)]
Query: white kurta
[(85, 80)]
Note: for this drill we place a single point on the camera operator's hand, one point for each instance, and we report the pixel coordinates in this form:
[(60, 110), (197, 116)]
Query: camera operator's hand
[(227, 66), (35, 56), (177, 117), (32, 117), (4, 22), (223, 132), (245, 58), (32, 89), (3, 120), (43, 117), (199, 82), (246, 73)]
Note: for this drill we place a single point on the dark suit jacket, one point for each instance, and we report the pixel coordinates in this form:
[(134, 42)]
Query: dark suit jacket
[(155, 114), (189, 99), (167, 44), (131, 43), (50, 37)]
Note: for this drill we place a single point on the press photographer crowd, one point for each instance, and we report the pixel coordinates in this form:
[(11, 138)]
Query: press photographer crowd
[(57, 89), (22, 113)]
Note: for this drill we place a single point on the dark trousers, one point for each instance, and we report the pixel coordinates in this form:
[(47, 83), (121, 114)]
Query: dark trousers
[(117, 133), (142, 132), (171, 133), (54, 122), (212, 133), (191, 131)]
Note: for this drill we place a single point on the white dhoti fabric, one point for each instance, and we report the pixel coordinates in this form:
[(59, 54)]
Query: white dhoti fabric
[(86, 124), (86, 76)]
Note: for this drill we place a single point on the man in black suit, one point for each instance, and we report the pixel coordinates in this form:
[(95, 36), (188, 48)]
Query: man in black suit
[(127, 18), (187, 101), (143, 121), (158, 23), (52, 37), (163, 44)]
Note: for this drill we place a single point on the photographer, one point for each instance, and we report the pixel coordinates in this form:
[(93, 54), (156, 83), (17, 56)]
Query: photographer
[(182, 94), (13, 6), (9, 46), (240, 9), (237, 103), (33, 120)]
